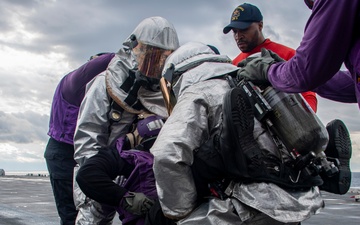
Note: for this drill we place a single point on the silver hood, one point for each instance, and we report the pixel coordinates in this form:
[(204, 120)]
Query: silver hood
[(157, 32), (194, 62)]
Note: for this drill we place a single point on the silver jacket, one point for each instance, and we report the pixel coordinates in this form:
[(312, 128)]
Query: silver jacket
[(94, 129), (195, 117)]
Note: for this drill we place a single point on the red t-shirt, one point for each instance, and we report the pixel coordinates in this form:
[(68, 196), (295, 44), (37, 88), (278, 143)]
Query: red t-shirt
[(284, 52)]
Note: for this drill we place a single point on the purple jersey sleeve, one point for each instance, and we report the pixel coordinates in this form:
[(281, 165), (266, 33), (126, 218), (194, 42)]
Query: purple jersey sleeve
[(74, 83), (339, 88), (329, 36)]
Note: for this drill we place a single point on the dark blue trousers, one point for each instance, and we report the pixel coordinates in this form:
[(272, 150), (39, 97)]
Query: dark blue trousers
[(60, 163)]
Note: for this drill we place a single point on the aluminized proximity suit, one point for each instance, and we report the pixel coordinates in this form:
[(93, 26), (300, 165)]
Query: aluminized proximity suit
[(197, 115), (99, 125)]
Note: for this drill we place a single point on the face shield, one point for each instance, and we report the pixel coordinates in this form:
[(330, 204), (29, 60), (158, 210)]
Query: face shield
[(150, 59), (151, 62), (151, 42)]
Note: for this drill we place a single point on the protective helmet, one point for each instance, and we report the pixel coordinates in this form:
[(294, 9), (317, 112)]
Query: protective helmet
[(151, 42), (155, 31)]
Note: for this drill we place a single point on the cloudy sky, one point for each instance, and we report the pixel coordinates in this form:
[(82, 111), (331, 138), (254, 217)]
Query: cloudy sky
[(41, 41)]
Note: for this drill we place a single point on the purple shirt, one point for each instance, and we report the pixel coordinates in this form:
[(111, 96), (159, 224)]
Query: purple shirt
[(331, 38), (140, 180), (68, 96)]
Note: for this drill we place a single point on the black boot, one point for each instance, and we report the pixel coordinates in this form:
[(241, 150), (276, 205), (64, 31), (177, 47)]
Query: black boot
[(339, 147), (237, 128)]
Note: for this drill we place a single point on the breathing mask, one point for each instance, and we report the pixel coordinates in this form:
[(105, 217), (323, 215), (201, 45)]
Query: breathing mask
[(151, 42), (150, 61)]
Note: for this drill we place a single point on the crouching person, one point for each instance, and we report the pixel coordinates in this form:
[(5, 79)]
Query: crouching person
[(124, 179), (117, 99), (214, 161)]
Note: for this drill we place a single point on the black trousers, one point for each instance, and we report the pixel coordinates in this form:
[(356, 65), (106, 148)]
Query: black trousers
[(60, 163)]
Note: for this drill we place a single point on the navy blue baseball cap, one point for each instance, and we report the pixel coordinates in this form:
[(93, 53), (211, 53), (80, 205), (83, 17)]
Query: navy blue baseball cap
[(243, 16)]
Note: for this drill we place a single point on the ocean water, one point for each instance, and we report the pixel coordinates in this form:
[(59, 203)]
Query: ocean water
[(355, 178), (24, 173)]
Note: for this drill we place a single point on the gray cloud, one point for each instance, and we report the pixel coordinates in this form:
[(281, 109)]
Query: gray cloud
[(23, 127), (61, 35)]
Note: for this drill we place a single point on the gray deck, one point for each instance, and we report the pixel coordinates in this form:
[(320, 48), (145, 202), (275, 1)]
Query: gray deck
[(28, 200)]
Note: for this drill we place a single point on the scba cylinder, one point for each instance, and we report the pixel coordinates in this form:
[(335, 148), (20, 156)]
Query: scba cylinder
[(295, 122)]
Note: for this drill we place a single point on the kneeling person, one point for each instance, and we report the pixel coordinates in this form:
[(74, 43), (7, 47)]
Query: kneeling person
[(194, 78)]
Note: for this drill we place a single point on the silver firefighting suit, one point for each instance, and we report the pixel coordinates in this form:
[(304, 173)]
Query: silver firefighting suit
[(99, 124), (197, 115)]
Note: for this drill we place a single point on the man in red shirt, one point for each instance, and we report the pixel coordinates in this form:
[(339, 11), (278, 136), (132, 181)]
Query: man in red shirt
[(247, 24)]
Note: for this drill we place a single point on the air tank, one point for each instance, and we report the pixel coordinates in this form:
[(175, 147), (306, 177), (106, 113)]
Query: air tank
[(295, 123)]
